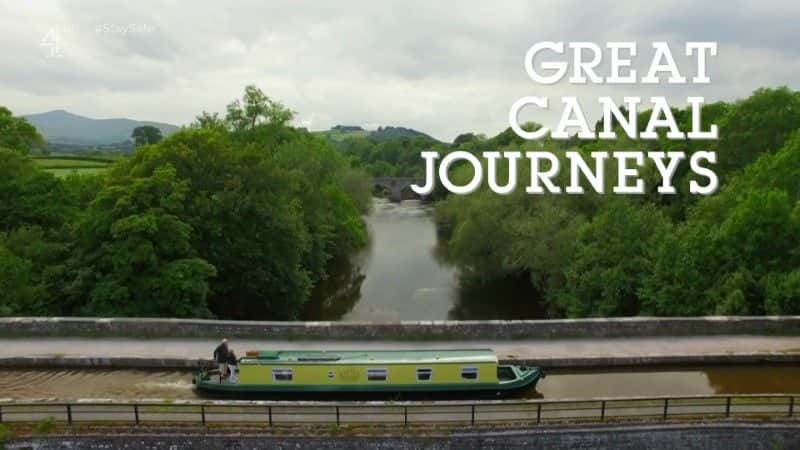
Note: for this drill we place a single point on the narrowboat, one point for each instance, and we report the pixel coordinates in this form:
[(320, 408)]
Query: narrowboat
[(320, 373)]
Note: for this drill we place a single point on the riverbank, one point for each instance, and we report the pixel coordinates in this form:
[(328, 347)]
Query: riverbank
[(17, 327)]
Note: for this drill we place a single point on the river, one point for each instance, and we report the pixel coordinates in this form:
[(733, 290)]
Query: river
[(401, 275)]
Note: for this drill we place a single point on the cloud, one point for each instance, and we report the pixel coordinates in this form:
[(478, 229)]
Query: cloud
[(443, 68)]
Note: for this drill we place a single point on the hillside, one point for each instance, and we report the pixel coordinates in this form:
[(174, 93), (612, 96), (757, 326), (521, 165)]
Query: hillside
[(387, 133), (339, 133), (63, 127), (342, 132)]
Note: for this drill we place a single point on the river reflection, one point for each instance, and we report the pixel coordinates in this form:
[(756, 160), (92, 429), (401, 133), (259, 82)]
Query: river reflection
[(401, 276), (637, 382)]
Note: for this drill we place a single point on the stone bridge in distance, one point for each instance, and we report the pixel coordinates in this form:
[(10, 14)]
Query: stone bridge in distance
[(396, 185)]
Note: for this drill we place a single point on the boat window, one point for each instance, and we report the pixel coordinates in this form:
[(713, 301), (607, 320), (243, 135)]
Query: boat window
[(376, 374), (282, 375), (469, 373), (424, 374)]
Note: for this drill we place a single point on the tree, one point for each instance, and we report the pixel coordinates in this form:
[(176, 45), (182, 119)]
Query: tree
[(510, 137), (611, 259), (19, 293), (782, 293), (146, 135), (481, 239), (35, 217), (390, 157), (134, 255), (759, 124), (245, 219), (16, 133), (256, 108), (34, 272), (29, 196), (464, 138), (738, 250), (331, 215), (209, 120)]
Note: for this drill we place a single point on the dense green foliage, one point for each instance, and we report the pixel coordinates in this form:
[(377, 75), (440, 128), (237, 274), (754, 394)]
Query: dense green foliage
[(255, 108), (240, 216), (735, 252), (28, 196), (394, 151), (389, 157), (133, 255), (231, 218)]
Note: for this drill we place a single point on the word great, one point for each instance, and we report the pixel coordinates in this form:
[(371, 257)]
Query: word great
[(587, 56), (542, 179)]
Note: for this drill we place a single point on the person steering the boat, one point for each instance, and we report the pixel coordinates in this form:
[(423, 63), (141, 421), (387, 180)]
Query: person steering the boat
[(221, 358)]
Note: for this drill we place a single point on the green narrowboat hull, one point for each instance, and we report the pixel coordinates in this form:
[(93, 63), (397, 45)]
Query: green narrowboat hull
[(207, 382)]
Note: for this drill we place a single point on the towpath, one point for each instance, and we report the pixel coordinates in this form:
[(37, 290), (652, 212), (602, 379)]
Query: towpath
[(517, 349)]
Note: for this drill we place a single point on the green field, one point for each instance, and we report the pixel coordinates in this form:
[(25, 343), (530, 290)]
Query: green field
[(52, 163), (62, 166), (64, 172), (336, 135)]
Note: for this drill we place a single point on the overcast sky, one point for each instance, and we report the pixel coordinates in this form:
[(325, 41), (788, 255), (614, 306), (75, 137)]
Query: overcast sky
[(441, 67)]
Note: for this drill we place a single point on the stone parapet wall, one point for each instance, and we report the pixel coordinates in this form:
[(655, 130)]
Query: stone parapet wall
[(420, 330), (710, 436)]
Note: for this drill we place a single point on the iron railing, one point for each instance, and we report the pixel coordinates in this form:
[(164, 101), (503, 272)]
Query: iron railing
[(523, 412)]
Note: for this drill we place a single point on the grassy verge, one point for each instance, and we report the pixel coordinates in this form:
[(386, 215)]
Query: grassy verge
[(65, 172), (62, 166)]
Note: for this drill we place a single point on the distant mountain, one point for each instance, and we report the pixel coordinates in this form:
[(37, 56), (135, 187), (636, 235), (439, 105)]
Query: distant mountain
[(63, 127)]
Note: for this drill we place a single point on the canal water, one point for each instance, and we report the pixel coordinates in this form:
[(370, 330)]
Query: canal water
[(176, 385), (401, 275)]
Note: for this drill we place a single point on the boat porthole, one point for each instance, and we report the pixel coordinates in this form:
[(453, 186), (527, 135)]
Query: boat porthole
[(331, 375)]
